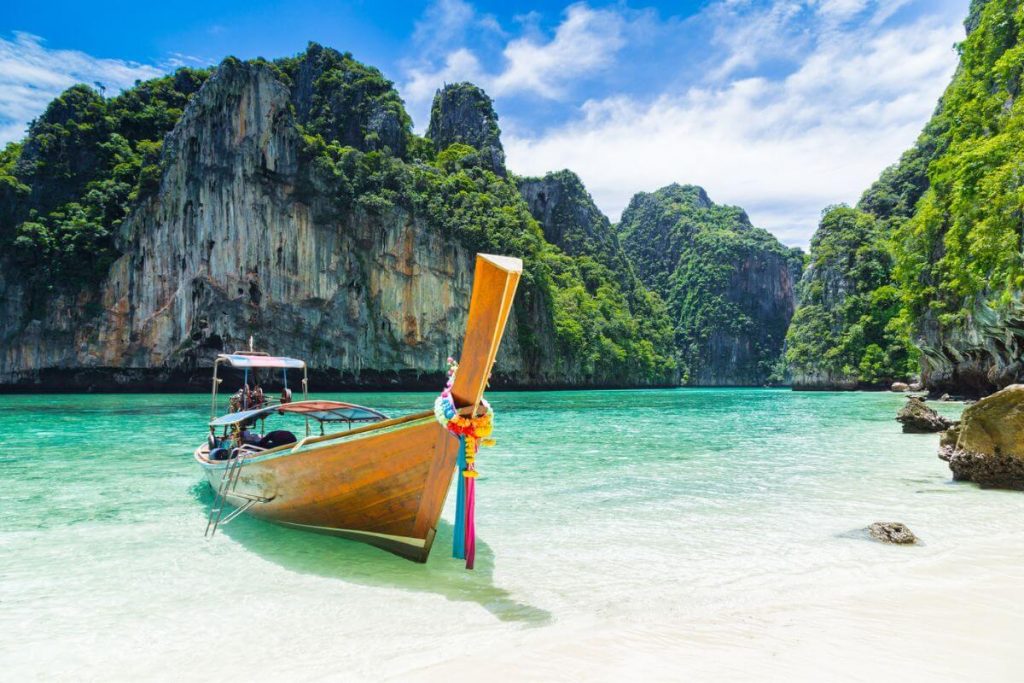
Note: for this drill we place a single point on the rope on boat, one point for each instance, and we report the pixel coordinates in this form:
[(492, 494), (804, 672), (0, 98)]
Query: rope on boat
[(472, 433)]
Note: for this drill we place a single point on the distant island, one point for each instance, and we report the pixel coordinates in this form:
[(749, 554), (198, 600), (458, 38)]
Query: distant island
[(290, 200)]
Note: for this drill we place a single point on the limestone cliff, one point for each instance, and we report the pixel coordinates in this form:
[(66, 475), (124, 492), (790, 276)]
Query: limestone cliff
[(225, 250), (729, 286), (940, 270), (463, 113), (571, 220), (289, 201)]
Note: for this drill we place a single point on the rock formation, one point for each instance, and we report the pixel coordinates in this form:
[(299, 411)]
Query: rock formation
[(292, 202), (729, 286), (571, 220), (463, 113), (918, 418), (988, 445), (892, 532), (949, 276)]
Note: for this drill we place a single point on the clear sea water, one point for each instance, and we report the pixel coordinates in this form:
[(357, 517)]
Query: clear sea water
[(708, 534)]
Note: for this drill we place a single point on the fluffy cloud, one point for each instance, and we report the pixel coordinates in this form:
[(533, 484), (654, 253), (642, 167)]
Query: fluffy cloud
[(783, 147), (584, 43), (31, 75)]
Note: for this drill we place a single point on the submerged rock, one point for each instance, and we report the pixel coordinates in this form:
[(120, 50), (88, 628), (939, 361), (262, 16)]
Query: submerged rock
[(988, 446), (899, 387), (917, 418), (892, 532)]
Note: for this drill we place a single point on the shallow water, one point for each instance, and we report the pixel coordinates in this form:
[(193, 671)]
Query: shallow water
[(664, 533)]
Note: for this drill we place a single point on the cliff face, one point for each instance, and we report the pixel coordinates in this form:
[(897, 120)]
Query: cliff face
[(729, 286), (571, 220), (289, 201), (225, 250), (937, 274), (463, 114), (845, 333)]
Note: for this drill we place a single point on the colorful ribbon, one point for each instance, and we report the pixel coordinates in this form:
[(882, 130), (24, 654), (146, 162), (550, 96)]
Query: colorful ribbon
[(472, 433)]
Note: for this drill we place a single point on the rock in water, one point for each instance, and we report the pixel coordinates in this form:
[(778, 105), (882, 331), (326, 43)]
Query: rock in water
[(899, 387), (988, 446), (892, 532), (917, 418)]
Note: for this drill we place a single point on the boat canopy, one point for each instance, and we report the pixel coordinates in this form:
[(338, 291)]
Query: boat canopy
[(238, 360), (324, 411)]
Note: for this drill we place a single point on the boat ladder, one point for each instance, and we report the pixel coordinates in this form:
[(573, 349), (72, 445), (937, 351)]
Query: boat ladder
[(228, 482)]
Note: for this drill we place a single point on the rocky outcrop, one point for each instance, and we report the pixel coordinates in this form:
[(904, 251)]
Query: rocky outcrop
[(571, 221), (729, 286), (841, 337), (981, 355), (226, 250), (344, 100), (918, 418), (988, 446), (900, 387), (892, 532), (463, 113), (290, 201)]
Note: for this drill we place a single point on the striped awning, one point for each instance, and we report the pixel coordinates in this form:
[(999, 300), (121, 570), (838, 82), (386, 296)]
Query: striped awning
[(324, 411), (238, 360)]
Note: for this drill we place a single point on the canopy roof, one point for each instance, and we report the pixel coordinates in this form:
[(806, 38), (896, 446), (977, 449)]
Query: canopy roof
[(324, 411), (239, 360)]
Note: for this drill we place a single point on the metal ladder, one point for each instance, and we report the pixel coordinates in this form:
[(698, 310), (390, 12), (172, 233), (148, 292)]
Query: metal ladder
[(228, 482)]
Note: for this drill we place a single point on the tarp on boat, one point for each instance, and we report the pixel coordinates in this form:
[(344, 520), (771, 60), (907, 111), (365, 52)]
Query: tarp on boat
[(238, 360), (324, 411), (333, 411)]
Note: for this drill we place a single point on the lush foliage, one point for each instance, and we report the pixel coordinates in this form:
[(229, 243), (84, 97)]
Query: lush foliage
[(88, 160), (949, 213), (848, 328), (346, 101), (696, 255), (601, 336), (85, 161), (961, 249), (633, 321)]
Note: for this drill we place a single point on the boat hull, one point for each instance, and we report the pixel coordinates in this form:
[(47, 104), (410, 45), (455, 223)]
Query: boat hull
[(385, 486)]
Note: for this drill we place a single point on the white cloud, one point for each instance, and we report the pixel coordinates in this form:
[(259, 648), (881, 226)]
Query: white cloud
[(31, 75), (783, 148), (585, 42), (443, 22)]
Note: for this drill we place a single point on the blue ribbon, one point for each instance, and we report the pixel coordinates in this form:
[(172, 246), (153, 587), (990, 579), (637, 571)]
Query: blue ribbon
[(459, 540)]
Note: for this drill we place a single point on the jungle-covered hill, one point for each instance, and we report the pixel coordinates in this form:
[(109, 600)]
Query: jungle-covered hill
[(291, 200), (927, 271)]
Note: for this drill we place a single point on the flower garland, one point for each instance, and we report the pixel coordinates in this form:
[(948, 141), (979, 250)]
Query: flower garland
[(472, 433)]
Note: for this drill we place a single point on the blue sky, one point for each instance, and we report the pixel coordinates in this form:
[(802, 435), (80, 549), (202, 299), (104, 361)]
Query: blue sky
[(780, 106)]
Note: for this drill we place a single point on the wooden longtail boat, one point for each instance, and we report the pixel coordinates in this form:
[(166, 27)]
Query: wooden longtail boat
[(383, 482)]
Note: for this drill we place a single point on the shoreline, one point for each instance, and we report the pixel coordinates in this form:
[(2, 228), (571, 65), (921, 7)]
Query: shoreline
[(197, 381)]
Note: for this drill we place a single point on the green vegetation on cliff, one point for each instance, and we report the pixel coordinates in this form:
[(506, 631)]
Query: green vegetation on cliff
[(847, 330), (88, 161), (962, 245), (66, 188), (728, 285), (939, 232)]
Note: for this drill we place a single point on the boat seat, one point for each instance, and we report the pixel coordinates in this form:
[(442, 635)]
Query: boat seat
[(278, 437)]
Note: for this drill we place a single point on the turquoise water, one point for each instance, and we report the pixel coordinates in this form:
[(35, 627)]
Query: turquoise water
[(704, 531)]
